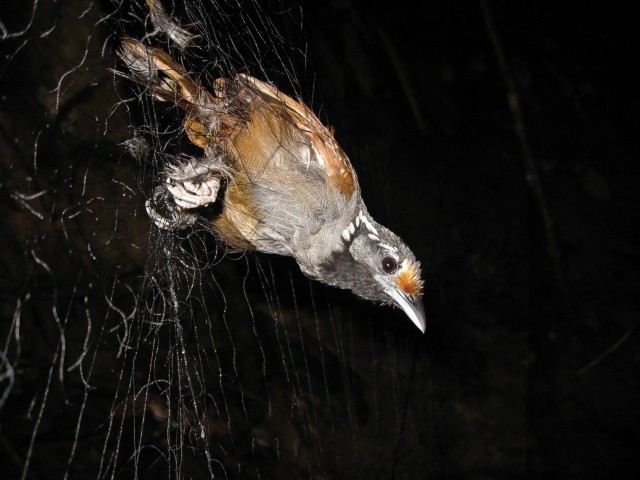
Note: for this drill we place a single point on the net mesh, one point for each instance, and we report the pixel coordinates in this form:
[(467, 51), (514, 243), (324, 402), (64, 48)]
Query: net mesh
[(131, 352)]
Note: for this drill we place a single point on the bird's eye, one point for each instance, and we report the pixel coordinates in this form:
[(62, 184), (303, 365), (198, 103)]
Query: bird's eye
[(389, 264)]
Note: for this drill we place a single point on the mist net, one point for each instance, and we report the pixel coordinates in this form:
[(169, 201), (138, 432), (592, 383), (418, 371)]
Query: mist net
[(127, 351)]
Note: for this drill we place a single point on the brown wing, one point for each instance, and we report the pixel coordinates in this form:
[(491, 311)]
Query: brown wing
[(328, 153), (211, 119)]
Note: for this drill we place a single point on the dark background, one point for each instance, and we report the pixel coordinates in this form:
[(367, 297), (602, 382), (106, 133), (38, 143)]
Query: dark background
[(497, 138)]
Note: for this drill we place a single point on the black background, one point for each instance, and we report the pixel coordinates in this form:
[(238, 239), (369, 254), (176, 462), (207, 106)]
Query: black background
[(528, 240)]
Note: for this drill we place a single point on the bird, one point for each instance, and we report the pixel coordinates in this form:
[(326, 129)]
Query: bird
[(281, 183)]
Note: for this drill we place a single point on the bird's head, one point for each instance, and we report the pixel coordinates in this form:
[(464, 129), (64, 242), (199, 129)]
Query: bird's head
[(377, 265)]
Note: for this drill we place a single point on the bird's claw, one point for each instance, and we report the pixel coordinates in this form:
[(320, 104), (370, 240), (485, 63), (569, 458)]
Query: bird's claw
[(187, 186), (165, 214), (193, 194)]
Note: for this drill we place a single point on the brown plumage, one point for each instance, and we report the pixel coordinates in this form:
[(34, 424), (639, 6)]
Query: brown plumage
[(290, 189)]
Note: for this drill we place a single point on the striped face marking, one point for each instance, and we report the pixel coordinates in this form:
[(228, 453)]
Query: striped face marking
[(388, 247), (367, 223), (362, 219)]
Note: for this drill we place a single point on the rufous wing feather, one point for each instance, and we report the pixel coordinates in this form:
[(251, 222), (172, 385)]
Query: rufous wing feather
[(327, 151)]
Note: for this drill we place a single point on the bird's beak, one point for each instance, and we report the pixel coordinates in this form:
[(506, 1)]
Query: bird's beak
[(412, 307)]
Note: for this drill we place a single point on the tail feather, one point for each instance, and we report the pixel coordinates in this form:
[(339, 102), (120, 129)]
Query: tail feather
[(167, 79)]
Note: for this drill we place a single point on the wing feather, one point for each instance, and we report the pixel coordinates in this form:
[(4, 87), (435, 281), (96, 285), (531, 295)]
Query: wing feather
[(330, 157)]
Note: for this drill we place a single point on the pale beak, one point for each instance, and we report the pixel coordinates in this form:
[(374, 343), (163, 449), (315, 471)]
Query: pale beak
[(413, 308)]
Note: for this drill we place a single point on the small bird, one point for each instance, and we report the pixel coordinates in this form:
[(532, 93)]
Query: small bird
[(283, 184)]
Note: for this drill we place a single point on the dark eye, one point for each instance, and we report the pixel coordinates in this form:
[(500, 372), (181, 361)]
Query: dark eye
[(389, 264)]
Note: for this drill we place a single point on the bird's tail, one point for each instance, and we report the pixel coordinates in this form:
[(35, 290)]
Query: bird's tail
[(209, 117), (167, 79)]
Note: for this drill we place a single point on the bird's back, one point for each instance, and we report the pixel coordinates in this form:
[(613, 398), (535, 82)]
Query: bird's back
[(290, 178), (290, 187)]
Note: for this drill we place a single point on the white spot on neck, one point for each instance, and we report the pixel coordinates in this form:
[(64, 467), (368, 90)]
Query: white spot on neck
[(367, 223)]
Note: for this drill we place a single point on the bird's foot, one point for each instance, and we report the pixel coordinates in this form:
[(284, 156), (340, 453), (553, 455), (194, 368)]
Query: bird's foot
[(165, 214), (187, 186), (193, 194)]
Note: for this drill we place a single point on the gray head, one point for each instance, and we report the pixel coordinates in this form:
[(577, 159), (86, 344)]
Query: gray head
[(377, 265)]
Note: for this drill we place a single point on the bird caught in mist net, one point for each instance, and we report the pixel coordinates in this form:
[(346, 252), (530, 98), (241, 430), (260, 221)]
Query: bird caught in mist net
[(284, 184)]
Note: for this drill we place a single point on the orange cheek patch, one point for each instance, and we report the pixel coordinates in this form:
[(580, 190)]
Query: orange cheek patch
[(409, 280)]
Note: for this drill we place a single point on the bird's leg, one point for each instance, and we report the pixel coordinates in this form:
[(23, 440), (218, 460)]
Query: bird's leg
[(187, 185)]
